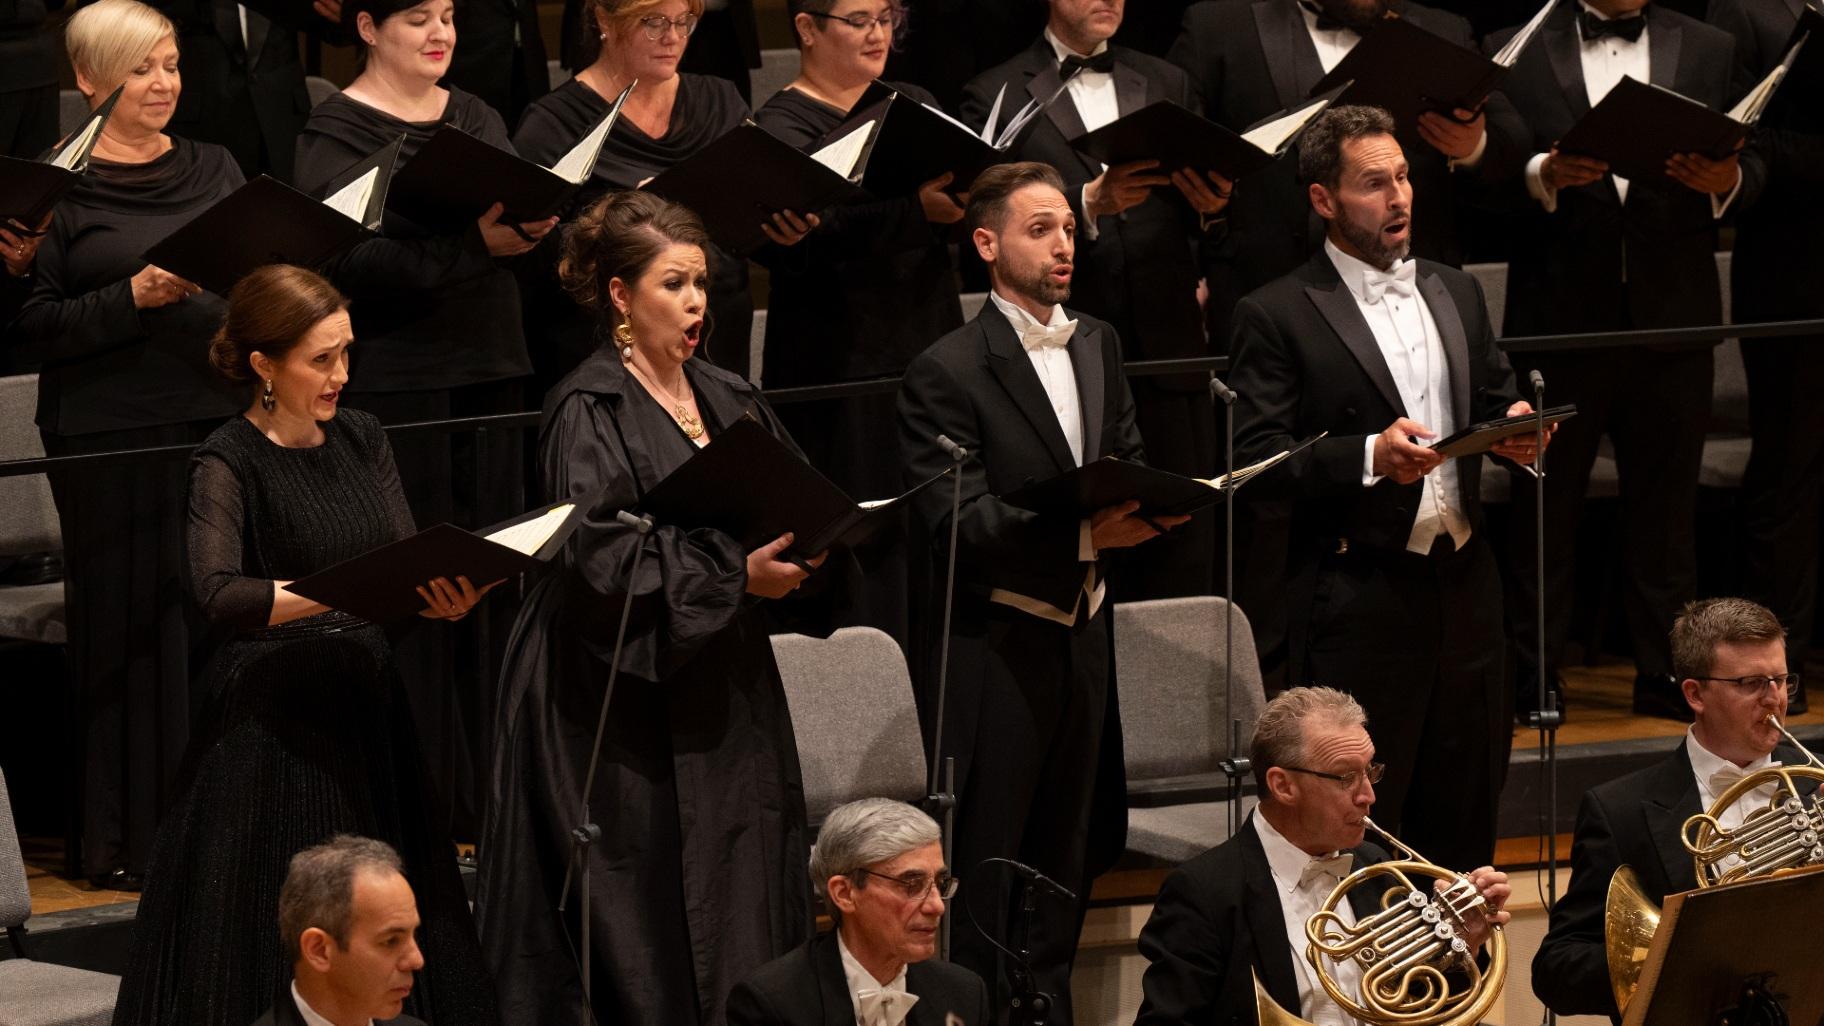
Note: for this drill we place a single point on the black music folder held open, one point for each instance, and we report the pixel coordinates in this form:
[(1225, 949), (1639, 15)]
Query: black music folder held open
[(30, 188), (1409, 71), (1177, 138), (1478, 438), (454, 178), (269, 222), (893, 144), (381, 584), (1110, 481), (738, 182), (747, 484)]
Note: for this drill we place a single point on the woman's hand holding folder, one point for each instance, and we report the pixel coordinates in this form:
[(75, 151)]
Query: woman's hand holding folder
[(446, 601), (769, 576)]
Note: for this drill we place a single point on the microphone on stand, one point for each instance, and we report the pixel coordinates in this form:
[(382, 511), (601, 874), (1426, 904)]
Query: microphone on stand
[(944, 799), (1039, 878), (1547, 717), (1236, 765)]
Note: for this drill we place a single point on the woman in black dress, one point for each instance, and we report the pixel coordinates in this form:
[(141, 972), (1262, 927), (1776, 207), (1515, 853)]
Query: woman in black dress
[(698, 877), (441, 336), (121, 345), (306, 732)]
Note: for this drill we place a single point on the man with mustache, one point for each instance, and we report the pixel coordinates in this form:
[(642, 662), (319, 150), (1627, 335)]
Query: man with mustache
[(1031, 391), (1392, 590)]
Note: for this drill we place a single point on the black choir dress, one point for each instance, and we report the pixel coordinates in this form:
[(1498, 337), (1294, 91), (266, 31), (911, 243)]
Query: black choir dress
[(699, 874), (861, 296), (116, 377), (441, 336), (707, 108), (305, 734)]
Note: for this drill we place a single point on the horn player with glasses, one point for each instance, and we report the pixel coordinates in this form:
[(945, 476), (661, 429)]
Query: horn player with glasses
[(1298, 918), (1737, 799)]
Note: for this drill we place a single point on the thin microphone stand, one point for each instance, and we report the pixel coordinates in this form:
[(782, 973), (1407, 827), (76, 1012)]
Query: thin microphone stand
[(945, 799), (588, 831), (1236, 766), (1547, 717)]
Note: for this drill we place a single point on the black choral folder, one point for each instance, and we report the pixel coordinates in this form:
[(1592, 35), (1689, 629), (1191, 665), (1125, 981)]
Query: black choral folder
[(1111, 481), (749, 485), (269, 222), (1479, 438), (893, 144), (738, 182), (30, 188), (381, 585), (454, 178), (1177, 138)]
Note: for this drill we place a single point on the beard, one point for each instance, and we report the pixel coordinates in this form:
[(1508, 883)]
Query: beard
[(1036, 281), (1372, 244), (1359, 15)]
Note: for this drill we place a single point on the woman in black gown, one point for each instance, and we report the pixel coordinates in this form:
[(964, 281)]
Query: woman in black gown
[(122, 344), (698, 877), (870, 289), (441, 336), (306, 733)]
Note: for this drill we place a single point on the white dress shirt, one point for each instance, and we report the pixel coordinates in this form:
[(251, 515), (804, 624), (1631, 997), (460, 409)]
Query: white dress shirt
[(309, 1014), (1058, 375), (1715, 775), (1606, 62), (1408, 338), (1302, 883), (1093, 93), (875, 1003)]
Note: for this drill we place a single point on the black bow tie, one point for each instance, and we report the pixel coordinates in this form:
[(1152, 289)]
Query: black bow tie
[(1325, 23), (1594, 28), (1103, 62)]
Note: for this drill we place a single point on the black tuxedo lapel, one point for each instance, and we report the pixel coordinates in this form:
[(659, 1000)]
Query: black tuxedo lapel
[(833, 983), (1456, 343), (1286, 44), (228, 27), (1062, 111), (1672, 800), (1334, 300), (257, 26), (1086, 364), (1565, 50), (1267, 922), (1130, 89), (1663, 42), (1013, 369)]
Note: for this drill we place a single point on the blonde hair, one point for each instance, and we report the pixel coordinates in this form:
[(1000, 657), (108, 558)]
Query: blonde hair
[(109, 38)]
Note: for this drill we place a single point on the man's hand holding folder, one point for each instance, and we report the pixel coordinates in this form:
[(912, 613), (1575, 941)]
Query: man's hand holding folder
[(1122, 526), (770, 575)]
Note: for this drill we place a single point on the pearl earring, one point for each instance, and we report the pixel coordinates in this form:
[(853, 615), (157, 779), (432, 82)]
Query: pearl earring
[(623, 337)]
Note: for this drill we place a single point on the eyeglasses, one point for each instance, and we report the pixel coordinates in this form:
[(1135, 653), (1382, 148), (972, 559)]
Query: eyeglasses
[(916, 885), (862, 22), (1759, 682), (1350, 781), (656, 24)]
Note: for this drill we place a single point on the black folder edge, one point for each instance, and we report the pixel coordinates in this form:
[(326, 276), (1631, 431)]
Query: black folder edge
[(880, 102), (1099, 143), (839, 190), (387, 159), (1491, 79), (1479, 438), (36, 213), (1031, 497), (1583, 140)]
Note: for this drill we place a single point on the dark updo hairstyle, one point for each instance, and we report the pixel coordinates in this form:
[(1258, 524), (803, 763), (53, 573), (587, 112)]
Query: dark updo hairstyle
[(269, 311), (815, 8), (619, 236), (379, 10)]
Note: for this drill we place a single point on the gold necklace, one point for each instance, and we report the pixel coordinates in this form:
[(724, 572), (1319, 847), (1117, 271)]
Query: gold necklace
[(691, 426)]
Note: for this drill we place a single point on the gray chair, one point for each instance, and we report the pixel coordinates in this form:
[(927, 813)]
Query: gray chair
[(555, 74), (776, 71), (28, 520), (1175, 722), (854, 717), (72, 109), (40, 993), (319, 88)]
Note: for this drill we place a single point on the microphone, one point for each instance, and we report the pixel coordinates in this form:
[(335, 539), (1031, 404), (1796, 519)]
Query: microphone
[(1537, 380), (639, 523), (1220, 391), (1040, 878), (957, 452)]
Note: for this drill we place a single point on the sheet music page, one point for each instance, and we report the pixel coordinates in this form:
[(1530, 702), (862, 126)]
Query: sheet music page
[(1511, 52), (1242, 474), (842, 155), (577, 165), (76, 151), (1749, 110), (994, 115), (351, 200), (529, 536), (1272, 136), (873, 504), (1024, 117), (939, 112)]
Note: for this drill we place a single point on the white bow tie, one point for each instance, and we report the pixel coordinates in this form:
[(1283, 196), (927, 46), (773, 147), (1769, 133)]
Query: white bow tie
[(1400, 281), (1725, 778), (1053, 336), (884, 1007), (1333, 868)]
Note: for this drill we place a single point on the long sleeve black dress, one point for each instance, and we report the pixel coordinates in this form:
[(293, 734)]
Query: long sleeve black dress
[(306, 734), (707, 108), (698, 878), (116, 377)]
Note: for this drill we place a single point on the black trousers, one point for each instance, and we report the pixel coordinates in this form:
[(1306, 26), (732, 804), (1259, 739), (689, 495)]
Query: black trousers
[(1417, 639), (1181, 434), (28, 122), (1781, 490), (1027, 712), (1654, 406)]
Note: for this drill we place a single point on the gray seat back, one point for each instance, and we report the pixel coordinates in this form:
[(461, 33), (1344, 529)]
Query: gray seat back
[(28, 517), (15, 898), (1169, 662)]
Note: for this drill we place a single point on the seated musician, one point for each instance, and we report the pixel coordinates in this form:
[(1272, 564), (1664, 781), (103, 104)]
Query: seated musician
[(1240, 909), (1731, 657)]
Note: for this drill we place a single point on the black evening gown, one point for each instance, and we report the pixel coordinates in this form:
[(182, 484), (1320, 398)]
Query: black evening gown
[(114, 377), (441, 336), (707, 108), (305, 734), (861, 296), (699, 877)]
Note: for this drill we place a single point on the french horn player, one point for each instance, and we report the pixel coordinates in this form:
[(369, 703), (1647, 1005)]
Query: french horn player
[(1731, 800), (1302, 874)]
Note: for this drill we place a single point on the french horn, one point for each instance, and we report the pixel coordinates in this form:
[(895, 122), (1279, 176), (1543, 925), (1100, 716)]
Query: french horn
[(1408, 951)]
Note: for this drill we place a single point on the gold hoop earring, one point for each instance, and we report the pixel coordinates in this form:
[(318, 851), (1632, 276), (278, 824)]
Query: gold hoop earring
[(623, 337), (266, 400)]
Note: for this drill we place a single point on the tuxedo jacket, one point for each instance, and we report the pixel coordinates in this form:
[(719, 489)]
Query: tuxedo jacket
[(1217, 923), (284, 1012), (1597, 263), (245, 95), (948, 42), (1634, 821), (1140, 272), (977, 386), (502, 56), (806, 987), (1305, 361), (1252, 58)]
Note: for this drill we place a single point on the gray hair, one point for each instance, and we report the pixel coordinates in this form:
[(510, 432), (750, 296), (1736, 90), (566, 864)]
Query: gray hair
[(864, 832), (319, 887), (1279, 734), (1717, 621), (1320, 149)]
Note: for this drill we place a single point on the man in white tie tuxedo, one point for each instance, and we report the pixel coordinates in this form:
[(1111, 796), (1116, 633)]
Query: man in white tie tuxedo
[(1731, 656), (1030, 390), (1239, 910), (879, 866), (1392, 592)]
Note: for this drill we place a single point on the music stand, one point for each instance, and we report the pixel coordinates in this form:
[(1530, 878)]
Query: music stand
[(1735, 954)]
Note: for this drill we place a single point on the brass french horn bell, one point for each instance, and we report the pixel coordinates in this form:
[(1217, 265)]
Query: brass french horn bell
[(1407, 951)]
